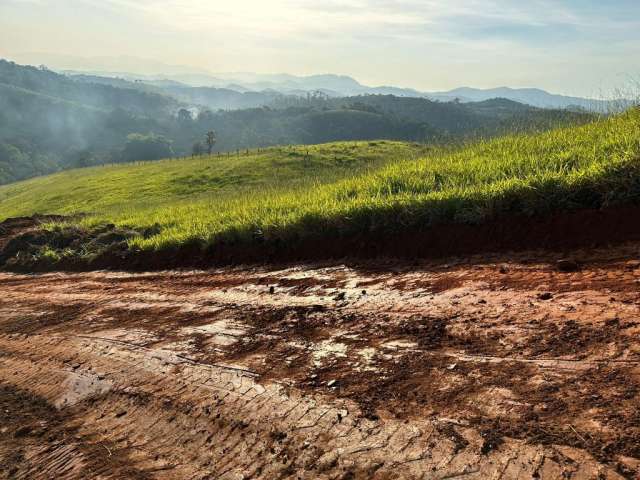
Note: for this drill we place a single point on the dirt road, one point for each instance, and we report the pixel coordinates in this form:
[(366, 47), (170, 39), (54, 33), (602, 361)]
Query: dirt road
[(488, 367)]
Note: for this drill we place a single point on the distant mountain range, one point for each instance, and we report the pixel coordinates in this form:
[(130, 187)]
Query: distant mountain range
[(341, 86), (50, 121), (531, 96), (158, 74)]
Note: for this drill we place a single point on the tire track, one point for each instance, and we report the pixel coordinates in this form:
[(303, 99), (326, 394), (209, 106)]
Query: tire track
[(173, 418)]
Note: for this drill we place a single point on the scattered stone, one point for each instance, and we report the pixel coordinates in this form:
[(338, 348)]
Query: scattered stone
[(545, 296), (491, 441), (567, 265), (331, 383), (340, 296), (364, 292), (452, 366), (503, 269), (272, 289)]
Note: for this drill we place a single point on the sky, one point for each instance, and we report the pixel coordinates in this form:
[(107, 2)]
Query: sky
[(578, 47)]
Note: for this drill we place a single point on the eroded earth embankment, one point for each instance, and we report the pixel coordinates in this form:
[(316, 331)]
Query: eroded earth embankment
[(27, 246), (488, 367)]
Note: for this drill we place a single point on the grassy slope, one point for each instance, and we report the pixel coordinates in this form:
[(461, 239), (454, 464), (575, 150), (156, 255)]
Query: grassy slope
[(154, 189), (274, 196)]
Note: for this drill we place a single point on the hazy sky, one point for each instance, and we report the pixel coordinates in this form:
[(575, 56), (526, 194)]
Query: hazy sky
[(567, 46)]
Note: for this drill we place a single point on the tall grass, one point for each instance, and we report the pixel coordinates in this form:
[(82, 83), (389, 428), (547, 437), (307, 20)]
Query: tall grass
[(586, 166)]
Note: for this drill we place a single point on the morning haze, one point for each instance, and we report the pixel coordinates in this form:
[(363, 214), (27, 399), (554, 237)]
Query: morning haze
[(573, 47)]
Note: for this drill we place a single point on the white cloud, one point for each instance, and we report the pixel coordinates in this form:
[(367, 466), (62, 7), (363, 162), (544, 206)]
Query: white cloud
[(421, 43)]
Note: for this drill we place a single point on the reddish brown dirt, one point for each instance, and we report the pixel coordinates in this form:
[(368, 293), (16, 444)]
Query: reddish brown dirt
[(13, 227), (486, 367)]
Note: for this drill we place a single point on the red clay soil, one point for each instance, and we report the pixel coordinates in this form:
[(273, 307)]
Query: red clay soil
[(500, 366)]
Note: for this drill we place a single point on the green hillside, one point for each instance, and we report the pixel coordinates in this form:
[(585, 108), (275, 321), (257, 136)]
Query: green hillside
[(116, 191), (344, 189)]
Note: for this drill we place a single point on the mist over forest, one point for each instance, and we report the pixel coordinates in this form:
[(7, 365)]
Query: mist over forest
[(51, 121)]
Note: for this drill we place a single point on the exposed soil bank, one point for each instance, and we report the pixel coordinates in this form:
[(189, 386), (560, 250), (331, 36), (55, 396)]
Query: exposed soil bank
[(583, 228), (562, 231)]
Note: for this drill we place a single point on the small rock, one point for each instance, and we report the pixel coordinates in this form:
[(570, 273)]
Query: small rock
[(328, 460), (343, 413), (340, 296), (545, 296), (452, 366), (272, 289), (567, 265), (503, 269), (331, 383), (278, 435)]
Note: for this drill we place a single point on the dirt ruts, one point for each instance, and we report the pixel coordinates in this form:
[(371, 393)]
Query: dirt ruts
[(497, 366)]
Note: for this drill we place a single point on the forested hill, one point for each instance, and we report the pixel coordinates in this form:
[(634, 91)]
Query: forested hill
[(94, 94), (51, 122)]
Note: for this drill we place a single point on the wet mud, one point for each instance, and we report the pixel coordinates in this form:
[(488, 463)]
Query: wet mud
[(484, 366)]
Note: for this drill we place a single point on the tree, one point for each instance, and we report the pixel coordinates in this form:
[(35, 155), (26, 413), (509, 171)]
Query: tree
[(14, 164), (81, 158), (197, 149), (146, 147), (205, 116), (184, 116), (211, 140)]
